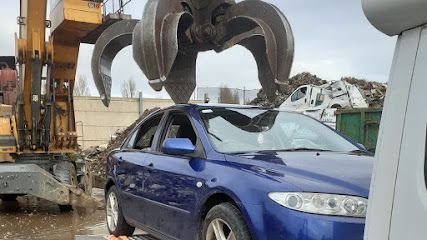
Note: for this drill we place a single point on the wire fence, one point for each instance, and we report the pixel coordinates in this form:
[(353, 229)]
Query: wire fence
[(213, 94)]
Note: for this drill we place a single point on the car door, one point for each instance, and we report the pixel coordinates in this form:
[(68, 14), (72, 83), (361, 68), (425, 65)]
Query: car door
[(131, 164), (316, 97), (122, 169), (298, 98), (174, 183)]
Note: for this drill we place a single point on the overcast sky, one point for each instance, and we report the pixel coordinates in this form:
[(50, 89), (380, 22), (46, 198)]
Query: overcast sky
[(332, 39)]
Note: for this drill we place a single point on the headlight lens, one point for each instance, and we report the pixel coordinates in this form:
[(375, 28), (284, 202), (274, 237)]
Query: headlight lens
[(321, 203)]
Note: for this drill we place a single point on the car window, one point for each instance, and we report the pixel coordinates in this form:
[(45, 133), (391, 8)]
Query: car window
[(300, 93), (320, 99), (180, 127), (131, 141), (233, 130), (145, 137)]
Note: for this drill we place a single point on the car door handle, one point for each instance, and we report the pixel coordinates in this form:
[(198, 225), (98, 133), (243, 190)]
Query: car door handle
[(151, 165)]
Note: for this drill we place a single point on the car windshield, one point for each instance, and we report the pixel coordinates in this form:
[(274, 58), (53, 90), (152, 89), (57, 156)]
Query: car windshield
[(240, 130)]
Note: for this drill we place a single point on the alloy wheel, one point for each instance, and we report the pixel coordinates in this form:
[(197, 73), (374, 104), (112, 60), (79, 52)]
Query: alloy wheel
[(219, 229), (112, 211)]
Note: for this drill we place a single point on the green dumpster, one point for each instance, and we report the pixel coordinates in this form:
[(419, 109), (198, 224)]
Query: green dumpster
[(361, 125)]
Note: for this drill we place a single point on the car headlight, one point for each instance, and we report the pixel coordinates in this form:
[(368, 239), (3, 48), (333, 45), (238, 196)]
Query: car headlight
[(321, 203)]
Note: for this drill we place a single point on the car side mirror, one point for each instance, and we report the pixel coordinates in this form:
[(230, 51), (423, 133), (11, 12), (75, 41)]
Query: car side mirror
[(178, 146)]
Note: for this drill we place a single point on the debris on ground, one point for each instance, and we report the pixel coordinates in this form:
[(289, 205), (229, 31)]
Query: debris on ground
[(373, 92), (304, 78), (96, 156)]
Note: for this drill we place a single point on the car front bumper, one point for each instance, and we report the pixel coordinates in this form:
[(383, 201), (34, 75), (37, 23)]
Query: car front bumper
[(273, 221)]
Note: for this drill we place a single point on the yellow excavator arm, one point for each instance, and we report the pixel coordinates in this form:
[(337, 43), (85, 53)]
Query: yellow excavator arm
[(47, 65), (39, 130)]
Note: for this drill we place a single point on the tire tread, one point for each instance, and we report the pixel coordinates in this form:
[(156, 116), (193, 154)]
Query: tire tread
[(233, 217), (122, 228)]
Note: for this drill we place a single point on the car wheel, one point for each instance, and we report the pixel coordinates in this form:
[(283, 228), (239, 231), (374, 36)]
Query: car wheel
[(116, 223), (225, 222)]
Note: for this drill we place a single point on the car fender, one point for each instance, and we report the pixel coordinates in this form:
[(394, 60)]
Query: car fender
[(239, 204)]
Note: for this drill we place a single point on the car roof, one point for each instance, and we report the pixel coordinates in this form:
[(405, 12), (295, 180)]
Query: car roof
[(214, 105), (188, 106)]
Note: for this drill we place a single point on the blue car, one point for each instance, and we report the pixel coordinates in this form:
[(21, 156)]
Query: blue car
[(229, 172)]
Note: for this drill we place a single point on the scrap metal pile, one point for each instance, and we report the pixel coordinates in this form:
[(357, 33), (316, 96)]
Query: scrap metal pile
[(96, 156), (373, 92)]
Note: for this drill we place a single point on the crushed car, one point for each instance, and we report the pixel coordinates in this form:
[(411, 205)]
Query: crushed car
[(237, 172)]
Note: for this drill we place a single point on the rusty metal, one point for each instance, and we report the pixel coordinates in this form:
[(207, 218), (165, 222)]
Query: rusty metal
[(172, 32), (7, 80)]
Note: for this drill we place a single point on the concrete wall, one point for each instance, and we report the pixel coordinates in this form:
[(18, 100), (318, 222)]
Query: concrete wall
[(96, 123)]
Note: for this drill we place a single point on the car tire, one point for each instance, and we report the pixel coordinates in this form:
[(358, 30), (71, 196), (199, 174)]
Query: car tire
[(116, 222), (226, 218)]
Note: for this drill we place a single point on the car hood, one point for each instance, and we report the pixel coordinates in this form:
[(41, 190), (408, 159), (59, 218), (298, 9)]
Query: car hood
[(324, 172)]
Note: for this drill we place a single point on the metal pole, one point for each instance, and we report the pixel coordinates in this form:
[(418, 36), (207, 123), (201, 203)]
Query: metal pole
[(82, 136), (141, 105), (244, 95), (121, 6)]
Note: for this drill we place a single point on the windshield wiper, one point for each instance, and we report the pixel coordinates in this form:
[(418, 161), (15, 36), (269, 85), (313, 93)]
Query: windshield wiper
[(360, 151), (303, 150), (282, 150), (215, 136)]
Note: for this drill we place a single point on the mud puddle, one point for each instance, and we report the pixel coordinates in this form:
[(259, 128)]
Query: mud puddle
[(32, 218)]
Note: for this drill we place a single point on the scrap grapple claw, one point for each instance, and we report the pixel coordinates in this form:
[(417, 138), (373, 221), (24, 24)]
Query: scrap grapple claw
[(172, 32), (112, 40)]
